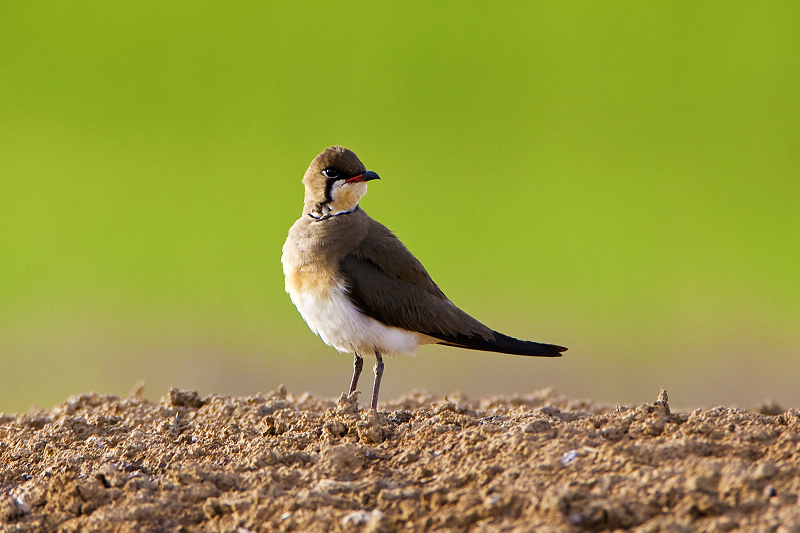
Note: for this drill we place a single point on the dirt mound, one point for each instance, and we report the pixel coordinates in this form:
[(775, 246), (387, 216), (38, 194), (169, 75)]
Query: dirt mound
[(284, 463)]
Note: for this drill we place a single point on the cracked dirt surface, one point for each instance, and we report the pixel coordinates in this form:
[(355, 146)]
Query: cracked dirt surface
[(280, 462)]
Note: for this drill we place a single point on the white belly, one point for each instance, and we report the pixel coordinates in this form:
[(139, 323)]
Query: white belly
[(333, 317)]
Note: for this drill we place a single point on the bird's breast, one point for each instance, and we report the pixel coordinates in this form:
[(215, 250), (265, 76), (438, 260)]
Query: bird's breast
[(310, 279), (319, 291), (308, 264), (330, 314), (320, 294)]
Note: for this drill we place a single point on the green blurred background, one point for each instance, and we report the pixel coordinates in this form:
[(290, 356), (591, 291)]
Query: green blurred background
[(620, 178)]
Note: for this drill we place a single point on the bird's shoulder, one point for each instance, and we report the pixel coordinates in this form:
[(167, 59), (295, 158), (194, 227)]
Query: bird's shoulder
[(381, 249), (331, 238)]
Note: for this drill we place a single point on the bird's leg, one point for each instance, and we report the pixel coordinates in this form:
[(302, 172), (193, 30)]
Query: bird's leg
[(376, 386), (358, 364)]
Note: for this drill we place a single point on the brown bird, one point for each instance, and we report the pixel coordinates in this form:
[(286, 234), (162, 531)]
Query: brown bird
[(360, 289)]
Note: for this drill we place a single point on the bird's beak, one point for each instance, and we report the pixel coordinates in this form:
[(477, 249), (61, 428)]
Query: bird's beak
[(366, 176)]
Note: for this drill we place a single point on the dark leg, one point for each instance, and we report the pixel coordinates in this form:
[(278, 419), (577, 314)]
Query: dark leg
[(376, 387), (358, 364)]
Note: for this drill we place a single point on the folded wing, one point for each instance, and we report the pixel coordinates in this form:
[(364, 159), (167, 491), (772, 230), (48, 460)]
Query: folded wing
[(386, 282)]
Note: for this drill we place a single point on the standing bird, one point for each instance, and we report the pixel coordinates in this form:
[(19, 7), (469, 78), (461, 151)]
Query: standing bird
[(360, 289)]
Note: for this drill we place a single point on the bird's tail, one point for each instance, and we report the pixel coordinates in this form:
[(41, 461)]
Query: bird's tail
[(504, 344)]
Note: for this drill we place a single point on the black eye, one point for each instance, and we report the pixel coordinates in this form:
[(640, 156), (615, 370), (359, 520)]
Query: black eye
[(330, 172)]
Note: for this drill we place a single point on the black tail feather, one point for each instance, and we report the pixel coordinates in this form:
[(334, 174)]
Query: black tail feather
[(504, 344)]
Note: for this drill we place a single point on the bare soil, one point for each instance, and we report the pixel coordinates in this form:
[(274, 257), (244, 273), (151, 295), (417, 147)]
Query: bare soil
[(281, 462)]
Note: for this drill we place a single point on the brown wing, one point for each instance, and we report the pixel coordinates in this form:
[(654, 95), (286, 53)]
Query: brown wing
[(386, 282)]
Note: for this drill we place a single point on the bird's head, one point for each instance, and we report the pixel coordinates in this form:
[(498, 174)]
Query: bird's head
[(335, 182)]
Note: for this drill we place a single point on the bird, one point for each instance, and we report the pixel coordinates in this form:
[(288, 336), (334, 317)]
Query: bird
[(358, 287)]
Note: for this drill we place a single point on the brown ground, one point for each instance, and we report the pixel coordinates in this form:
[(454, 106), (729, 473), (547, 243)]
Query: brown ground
[(284, 463)]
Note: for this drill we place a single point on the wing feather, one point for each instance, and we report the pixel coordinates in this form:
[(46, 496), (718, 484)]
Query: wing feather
[(386, 282), (389, 284)]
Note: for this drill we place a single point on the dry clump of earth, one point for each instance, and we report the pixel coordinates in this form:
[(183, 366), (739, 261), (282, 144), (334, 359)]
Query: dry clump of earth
[(280, 462)]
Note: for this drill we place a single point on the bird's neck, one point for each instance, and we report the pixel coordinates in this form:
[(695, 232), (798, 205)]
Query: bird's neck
[(323, 210)]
